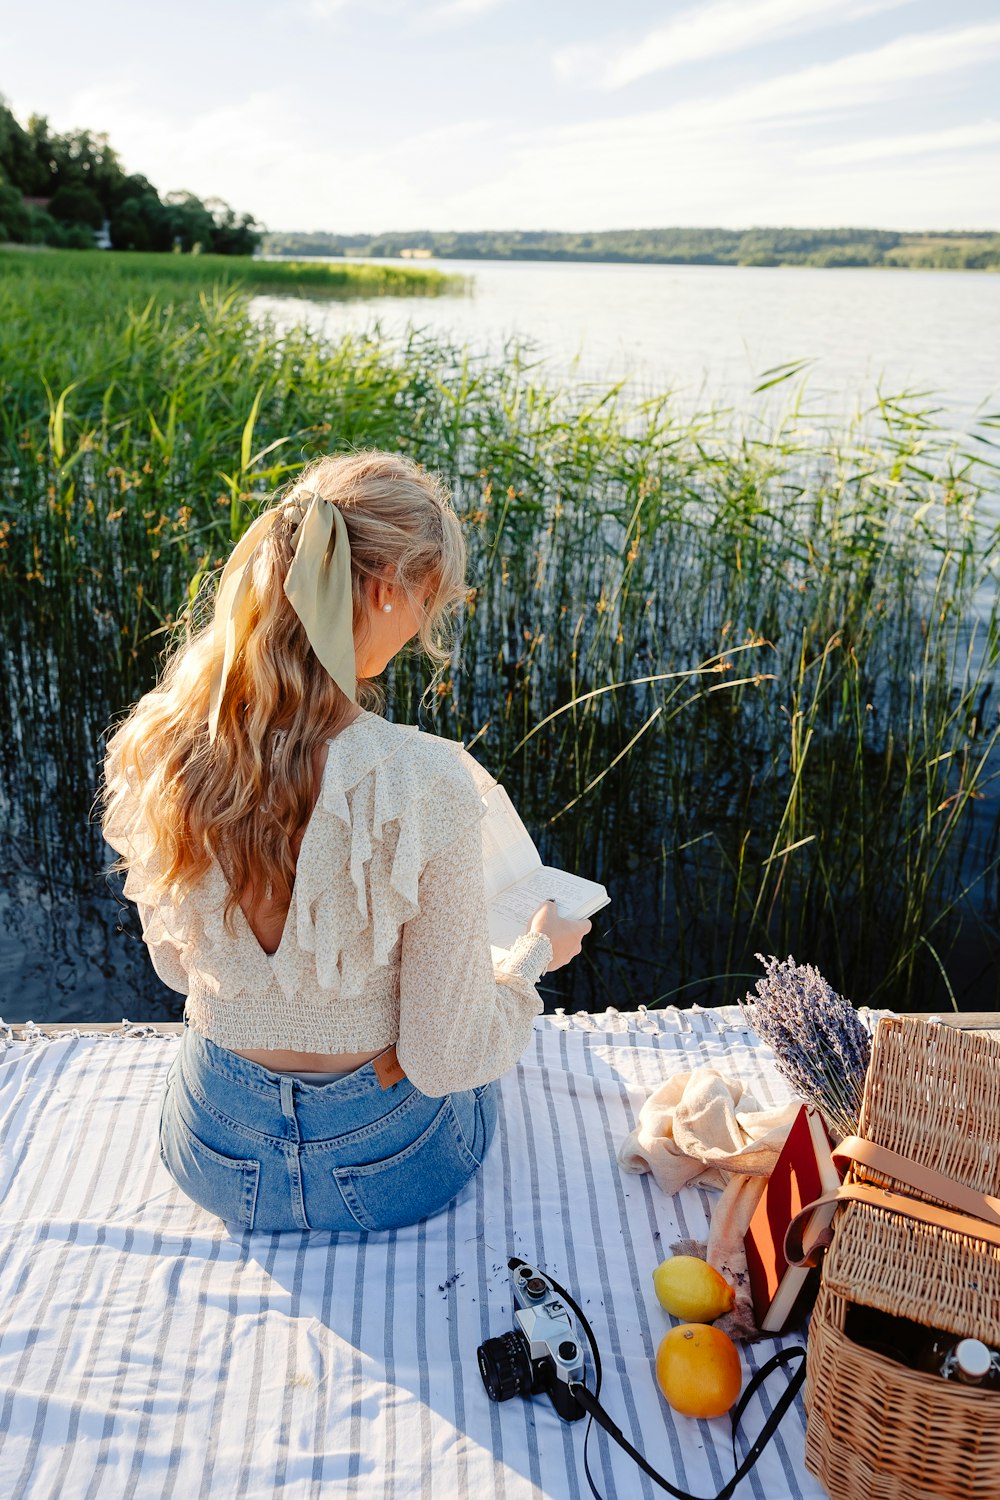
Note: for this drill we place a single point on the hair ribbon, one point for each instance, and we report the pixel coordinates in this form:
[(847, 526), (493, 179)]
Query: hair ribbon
[(317, 585)]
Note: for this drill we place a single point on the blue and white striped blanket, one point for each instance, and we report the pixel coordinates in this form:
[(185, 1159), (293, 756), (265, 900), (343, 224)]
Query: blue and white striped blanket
[(147, 1352)]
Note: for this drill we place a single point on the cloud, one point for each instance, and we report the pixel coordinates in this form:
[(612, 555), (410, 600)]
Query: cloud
[(224, 150), (712, 30), (453, 13), (266, 155), (416, 15), (960, 138), (324, 10), (735, 183), (728, 159), (831, 88)]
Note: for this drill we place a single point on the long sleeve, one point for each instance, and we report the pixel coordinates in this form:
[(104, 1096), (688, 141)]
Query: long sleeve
[(462, 1022)]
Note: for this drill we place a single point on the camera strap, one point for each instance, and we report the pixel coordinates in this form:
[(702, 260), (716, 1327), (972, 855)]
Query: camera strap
[(795, 1355)]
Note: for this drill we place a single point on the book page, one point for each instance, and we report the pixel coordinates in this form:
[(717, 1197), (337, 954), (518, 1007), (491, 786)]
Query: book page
[(829, 1176), (511, 911), (508, 851)]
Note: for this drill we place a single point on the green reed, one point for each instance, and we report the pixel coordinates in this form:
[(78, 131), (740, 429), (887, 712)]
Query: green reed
[(311, 278), (742, 671)]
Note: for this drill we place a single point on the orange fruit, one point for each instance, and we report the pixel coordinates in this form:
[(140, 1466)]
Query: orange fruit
[(698, 1370)]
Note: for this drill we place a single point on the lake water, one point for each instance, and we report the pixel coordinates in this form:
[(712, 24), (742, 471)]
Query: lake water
[(710, 333)]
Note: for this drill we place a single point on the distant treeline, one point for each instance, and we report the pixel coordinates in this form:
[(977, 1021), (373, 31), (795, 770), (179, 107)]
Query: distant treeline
[(955, 250), (72, 192)]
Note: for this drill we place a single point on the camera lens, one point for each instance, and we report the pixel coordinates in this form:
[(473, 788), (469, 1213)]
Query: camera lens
[(505, 1367)]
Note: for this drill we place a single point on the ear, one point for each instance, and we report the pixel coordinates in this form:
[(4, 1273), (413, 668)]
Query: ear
[(382, 587)]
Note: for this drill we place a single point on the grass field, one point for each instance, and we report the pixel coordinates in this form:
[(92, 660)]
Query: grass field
[(126, 271), (744, 674)]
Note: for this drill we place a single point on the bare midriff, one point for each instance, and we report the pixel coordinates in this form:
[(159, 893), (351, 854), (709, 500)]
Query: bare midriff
[(267, 924)]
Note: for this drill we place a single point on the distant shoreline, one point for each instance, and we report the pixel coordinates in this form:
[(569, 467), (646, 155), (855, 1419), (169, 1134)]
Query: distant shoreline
[(836, 249)]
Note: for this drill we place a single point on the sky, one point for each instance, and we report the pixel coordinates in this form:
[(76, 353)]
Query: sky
[(358, 116)]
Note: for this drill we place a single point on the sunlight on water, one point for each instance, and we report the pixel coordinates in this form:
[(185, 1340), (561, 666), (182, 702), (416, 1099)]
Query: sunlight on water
[(711, 332)]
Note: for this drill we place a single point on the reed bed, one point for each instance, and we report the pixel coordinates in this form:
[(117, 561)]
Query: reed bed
[(125, 270), (743, 672)]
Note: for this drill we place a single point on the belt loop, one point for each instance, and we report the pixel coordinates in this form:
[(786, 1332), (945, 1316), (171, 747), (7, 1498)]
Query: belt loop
[(292, 1149), (287, 1107)]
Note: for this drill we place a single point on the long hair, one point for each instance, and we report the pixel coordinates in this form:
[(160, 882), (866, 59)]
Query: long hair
[(243, 797)]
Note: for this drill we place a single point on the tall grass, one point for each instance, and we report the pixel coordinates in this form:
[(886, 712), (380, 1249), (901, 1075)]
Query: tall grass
[(312, 278), (744, 674)]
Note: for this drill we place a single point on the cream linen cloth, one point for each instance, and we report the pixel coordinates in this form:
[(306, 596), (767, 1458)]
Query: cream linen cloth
[(704, 1128)]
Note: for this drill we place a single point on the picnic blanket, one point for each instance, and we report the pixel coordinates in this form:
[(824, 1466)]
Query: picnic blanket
[(146, 1350)]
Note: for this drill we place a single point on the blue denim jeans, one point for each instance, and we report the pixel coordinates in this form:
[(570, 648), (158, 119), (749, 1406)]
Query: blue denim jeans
[(262, 1151)]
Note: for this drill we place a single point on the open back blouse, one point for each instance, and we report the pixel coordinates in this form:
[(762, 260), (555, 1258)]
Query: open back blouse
[(386, 937)]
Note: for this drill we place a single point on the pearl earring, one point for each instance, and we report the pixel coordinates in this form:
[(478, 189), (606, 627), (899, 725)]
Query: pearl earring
[(387, 608)]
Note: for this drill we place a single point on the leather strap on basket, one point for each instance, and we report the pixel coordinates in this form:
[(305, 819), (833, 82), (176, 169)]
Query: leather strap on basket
[(970, 1213), (965, 1199)]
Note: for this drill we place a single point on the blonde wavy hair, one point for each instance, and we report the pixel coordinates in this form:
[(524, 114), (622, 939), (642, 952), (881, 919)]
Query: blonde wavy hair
[(243, 797)]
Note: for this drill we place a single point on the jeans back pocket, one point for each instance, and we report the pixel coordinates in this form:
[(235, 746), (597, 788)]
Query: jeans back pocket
[(413, 1183), (224, 1185)]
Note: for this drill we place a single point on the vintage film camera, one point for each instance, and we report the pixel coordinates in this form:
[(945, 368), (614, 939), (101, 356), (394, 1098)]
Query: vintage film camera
[(543, 1353)]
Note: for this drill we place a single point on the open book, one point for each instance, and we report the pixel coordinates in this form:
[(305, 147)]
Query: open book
[(517, 883)]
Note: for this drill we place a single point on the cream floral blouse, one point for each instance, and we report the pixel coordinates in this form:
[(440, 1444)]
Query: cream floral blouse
[(386, 937)]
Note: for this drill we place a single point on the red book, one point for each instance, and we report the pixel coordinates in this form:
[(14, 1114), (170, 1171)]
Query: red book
[(783, 1294)]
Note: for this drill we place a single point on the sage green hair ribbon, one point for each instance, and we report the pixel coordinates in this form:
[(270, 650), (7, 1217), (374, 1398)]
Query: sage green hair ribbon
[(317, 585)]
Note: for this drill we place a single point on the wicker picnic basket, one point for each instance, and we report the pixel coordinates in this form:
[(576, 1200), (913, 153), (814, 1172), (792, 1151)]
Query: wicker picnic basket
[(877, 1430)]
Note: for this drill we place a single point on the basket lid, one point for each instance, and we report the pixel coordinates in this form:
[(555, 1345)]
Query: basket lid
[(932, 1093)]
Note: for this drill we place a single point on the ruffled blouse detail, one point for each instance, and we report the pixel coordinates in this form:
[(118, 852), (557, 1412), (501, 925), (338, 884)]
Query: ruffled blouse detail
[(386, 938)]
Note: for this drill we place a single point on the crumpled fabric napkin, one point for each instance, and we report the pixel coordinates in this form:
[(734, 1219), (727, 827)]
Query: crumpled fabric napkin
[(702, 1127)]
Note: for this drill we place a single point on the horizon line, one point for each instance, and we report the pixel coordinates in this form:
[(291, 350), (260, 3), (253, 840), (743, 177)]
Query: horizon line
[(650, 229)]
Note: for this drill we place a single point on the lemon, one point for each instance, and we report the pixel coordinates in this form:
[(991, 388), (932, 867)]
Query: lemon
[(698, 1370), (691, 1289)]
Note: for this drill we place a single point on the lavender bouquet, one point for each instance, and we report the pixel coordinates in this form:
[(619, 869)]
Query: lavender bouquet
[(820, 1045)]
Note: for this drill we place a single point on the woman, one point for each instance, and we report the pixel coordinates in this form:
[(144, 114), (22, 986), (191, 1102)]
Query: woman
[(310, 876)]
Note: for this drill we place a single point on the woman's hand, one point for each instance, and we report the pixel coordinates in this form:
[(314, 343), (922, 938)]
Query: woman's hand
[(565, 934)]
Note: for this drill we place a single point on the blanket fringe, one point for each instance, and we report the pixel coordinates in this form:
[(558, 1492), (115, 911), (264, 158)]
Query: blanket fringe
[(36, 1036), (723, 1020), (720, 1020)]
